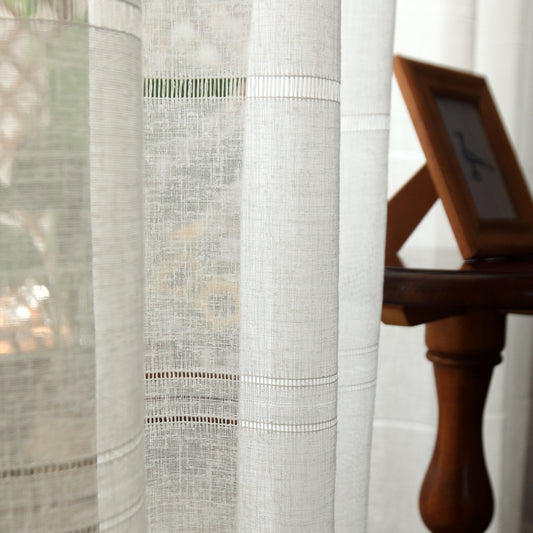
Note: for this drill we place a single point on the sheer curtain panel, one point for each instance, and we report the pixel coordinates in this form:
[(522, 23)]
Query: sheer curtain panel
[(242, 134), (263, 152), (365, 107), (71, 404)]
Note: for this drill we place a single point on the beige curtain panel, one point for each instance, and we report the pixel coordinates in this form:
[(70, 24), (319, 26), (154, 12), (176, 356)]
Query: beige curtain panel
[(192, 219)]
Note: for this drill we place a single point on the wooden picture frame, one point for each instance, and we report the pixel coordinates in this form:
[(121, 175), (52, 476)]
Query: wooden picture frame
[(469, 157)]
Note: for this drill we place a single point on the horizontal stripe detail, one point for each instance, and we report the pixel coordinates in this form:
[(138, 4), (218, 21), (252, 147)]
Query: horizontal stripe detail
[(306, 87), (188, 374), (187, 419), (367, 122), (123, 515), (119, 452), (290, 382), (249, 424), (358, 386), (288, 428), (359, 351), (194, 87), (47, 468), (257, 380)]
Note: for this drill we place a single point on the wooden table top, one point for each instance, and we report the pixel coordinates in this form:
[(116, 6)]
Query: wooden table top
[(435, 284)]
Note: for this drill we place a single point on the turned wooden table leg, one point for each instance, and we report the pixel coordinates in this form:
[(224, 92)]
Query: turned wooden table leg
[(456, 495)]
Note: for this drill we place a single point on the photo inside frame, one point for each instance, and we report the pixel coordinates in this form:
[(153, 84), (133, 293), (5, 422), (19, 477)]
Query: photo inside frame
[(479, 166)]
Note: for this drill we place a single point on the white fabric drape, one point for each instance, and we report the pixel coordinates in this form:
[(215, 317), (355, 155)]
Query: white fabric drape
[(258, 287), (365, 100), (494, 39), (71, 407), (242, 188)]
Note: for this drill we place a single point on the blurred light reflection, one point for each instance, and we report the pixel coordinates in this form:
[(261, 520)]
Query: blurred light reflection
[(25, 319)]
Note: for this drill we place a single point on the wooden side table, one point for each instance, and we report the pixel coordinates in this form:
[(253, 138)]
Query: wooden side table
[(491, 213), (465, 311)]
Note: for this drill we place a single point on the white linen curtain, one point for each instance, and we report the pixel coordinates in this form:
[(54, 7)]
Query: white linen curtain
[(495, 39), (244, 121), (71, 403)]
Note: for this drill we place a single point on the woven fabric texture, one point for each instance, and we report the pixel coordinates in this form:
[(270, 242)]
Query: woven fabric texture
[(71, 404), (242, 138), (218, 286), (193, 67), (365, 107)]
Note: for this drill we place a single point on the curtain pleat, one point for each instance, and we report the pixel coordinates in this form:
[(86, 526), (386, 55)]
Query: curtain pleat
[(289, 270), (225, 369), (242, 138), (176, 339), (241, 202), (47, 367), (71, 310), (365, 107), (117, 235), (194, 68)]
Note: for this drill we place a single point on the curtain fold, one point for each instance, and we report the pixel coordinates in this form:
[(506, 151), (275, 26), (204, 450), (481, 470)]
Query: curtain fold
[(289, 269), (71, 407), (367, 32), (194, 67), (115, 138), (175, 339)]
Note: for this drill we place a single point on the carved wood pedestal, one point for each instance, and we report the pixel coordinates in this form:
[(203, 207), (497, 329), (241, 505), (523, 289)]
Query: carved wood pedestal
[(456, 494), (464, 311), (464, 308)]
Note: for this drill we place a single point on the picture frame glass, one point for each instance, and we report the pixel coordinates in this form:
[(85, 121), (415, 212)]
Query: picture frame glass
[(477, 161)]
